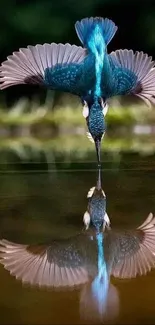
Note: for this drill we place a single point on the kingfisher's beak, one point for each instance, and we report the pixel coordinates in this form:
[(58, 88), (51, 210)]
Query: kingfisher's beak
[(98, 151), (98, 186)]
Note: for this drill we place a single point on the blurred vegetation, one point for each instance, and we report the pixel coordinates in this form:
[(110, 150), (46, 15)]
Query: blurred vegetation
[(68, 113), (32, 130)]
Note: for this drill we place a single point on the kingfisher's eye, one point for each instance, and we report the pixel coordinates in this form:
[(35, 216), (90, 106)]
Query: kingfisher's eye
[(100, 100), (83, 101)]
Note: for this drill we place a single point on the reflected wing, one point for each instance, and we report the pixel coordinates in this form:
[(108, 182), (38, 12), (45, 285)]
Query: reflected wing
[(56, 66), (134, 73), (58, 265), (135, 250)]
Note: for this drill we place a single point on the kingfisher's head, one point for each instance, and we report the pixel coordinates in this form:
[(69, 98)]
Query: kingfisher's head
[(94, 111), (96, 210), (96, 214)]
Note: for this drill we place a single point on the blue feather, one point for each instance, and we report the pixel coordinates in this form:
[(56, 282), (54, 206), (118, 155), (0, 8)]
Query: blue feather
[(100, 285), (73, 77), (85, 27), (97, 46), (117, 81), (62, 77), (125, 81)]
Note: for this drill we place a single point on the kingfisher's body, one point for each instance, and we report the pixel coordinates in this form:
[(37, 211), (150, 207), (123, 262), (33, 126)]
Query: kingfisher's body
[(89, 71)]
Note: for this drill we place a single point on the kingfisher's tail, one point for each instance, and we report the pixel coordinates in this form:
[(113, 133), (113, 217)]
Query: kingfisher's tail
[(90, 309), (85, 27)]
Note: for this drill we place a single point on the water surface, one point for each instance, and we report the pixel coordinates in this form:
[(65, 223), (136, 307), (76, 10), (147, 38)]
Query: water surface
[(37, 205)]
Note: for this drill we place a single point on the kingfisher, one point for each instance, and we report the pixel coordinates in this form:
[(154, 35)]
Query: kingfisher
[(87, 71), (73, 262)]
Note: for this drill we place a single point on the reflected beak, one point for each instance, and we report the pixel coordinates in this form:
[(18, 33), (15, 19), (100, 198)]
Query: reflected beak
[(99, 179), (98, 151)]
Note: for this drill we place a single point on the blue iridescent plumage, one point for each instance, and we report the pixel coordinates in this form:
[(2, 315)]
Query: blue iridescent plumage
[(96, 74), (71, 77)]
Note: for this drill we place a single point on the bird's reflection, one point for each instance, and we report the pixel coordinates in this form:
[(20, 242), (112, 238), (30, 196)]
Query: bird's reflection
[(73, 261), (86, 260)]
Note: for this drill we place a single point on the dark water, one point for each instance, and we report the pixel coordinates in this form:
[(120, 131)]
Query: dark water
[(37, 205)]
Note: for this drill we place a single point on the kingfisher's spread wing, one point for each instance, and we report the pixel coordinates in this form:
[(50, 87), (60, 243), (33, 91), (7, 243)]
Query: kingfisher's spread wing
[(60, 264), (133, 73), (57, 66), (135, 250)]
